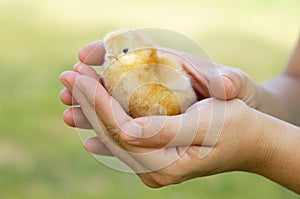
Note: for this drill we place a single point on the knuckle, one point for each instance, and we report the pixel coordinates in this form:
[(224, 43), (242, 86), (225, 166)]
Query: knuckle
[(163, 137), (148, 181), (162, 179), (168, 132), (238, 104)]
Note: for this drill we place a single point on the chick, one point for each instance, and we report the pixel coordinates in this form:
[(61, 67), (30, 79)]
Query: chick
[(143, 79)]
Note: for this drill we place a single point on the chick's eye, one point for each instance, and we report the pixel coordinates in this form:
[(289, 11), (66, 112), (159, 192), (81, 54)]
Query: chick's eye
[(125, 50)]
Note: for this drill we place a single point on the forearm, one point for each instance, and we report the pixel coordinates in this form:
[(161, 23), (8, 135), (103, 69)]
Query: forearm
[(280, 97), (280, 153)]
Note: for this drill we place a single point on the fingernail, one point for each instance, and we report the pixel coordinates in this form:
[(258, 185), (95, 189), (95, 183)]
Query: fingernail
[(76, 67), (131, 131), (65, 82), (66, 78)]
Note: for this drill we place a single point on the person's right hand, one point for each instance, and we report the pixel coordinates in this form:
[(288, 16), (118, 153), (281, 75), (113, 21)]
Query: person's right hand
[(208, 80), (249, 140)]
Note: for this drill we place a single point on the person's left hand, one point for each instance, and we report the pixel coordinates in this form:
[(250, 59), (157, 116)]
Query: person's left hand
[(163, 150), (170, 149)]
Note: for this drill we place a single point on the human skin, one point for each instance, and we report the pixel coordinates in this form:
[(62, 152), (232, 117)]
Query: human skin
[(247, 139)]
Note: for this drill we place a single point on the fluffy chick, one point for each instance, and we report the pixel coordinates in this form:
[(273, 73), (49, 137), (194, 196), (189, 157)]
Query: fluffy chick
[(144, 80)]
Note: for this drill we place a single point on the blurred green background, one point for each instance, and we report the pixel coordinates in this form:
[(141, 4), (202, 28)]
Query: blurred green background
[(41, 157)]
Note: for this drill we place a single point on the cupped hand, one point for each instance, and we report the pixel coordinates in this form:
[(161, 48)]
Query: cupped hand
[(208, 80), (165, 150), (205, 140)]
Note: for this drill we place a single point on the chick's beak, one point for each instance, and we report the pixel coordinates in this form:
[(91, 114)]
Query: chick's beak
[(112, 56)]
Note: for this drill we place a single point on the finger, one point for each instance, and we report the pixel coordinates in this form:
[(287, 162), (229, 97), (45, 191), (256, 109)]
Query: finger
[(95, 146), (197, 68), (226, 84), (67, 98), (114, 119), (201, 90), (75, 117), (86, 70), (187, 129), (222, 82), (230, 83), (92, 54), (107, 108), (109, 138), (68, 79), (148, 180)]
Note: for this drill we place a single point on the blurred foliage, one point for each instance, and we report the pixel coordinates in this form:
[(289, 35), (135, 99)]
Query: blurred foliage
[(40, 157)]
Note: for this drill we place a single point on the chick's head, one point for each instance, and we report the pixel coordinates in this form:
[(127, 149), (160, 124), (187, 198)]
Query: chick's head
[(121, 42)]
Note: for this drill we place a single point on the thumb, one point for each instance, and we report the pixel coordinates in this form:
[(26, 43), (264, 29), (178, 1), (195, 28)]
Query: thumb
[(229, 83)]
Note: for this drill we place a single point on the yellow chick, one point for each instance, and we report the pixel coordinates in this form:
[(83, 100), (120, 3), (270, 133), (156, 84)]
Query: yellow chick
[(143, 79)]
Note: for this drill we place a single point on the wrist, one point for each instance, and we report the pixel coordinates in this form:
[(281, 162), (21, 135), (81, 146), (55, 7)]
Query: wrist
[(263, 145), (279, 97), (264, 99), (276, 153), (272, 103), (258, 145)]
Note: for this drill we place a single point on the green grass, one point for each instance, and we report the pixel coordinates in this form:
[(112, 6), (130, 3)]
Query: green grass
[(40, 157)]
